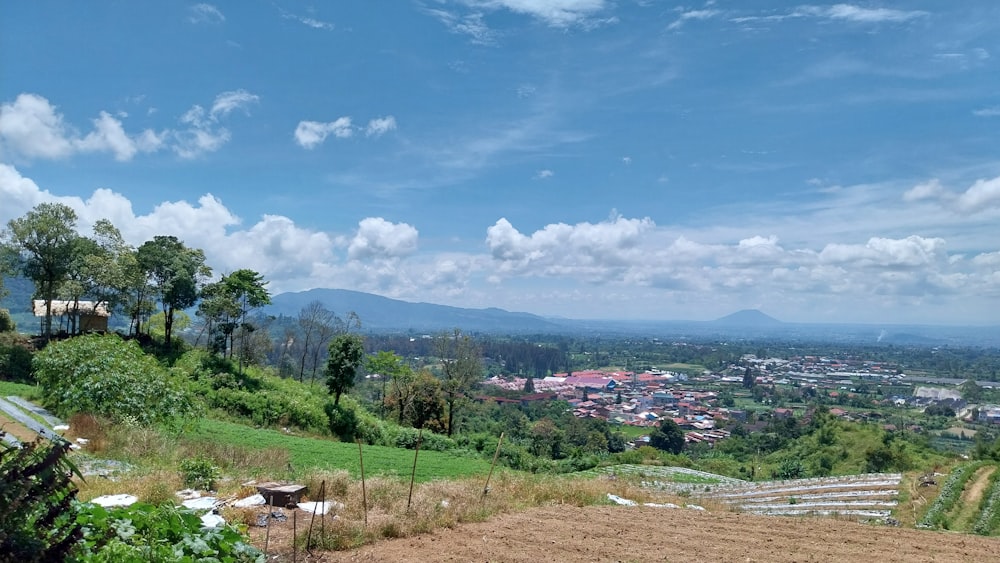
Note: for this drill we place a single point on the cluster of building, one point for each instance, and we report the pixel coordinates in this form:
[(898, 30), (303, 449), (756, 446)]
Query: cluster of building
[(630, 398)]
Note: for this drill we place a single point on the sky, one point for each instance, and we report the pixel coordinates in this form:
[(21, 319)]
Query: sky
[(590, 159)]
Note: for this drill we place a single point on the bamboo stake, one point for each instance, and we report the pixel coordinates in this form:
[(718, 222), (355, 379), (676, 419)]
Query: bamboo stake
[(413, 474), (322, 493), (294, 533), (486, 488), (364, 493), (267, 529)]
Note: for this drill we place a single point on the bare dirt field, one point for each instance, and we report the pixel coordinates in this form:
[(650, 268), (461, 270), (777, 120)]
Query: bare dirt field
[(611, 533)]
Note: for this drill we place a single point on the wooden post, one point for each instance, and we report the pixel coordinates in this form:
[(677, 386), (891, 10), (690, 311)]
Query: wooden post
[(322, 493), (294, 529), (364, 492), (486, 488), (413, 474), (267, 529)]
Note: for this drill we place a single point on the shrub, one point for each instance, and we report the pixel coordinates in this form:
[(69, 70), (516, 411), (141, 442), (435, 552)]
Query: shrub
[(6, 322), (105, 375), (199, 473)]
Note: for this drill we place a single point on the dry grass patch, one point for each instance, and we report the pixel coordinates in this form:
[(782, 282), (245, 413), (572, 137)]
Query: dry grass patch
[(446, 504), (155, 487)]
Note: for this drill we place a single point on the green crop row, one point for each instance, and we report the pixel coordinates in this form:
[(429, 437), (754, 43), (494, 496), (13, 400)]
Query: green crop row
[(989, 508), (948, 495)]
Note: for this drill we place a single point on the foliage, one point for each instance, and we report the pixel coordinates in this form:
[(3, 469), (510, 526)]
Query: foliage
[(346, 355), (199, 473), (6, 321), (35, 496), (262, 399), (15, 358), (989, 508), (105, 375), (144, 532), (948, 495), (461, 371), (44, 237), (668, 437), (175, 274)]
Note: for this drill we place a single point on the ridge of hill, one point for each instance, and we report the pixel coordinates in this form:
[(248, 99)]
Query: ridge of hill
[(748, 318), (383, 313)]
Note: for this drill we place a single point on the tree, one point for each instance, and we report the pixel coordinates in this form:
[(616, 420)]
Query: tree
[(316, 323), (748, 379), (175, 273), (427, 405), (668, 437), (112, 270), (529, 384), (388, 366), (346, 354), (44, 238), (461, 370), (247, 290), (971, 391)]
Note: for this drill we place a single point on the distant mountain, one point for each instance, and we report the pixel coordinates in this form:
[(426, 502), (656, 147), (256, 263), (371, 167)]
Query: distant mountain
[(748, 318), (379, 313)]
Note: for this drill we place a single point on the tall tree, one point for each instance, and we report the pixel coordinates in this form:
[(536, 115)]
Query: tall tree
[(176, 273), (388, 366), (113, 269), (248, 291), (668, 437), (461, 370), (316, 323), (44, 238), (347, 351)]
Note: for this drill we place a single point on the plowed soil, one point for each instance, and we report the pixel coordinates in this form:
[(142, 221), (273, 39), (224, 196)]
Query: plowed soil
[(609, 533)]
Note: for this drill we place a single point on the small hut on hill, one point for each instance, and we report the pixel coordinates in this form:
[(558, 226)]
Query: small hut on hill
[(89, 316)]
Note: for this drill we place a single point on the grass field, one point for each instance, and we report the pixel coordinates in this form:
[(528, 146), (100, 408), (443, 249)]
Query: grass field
[(31, 392), (316, 453)]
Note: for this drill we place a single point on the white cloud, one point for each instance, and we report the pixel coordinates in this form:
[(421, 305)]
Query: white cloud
[(983, 194), (308, 21), (229, 101), (543, 174), (471, 25), (927, 190), (309, 134), (205, 13), (32, 128), (849, 12), (911, 252), (993, 111), (380, 126), (692, 15), (377, 238), (556, 13)]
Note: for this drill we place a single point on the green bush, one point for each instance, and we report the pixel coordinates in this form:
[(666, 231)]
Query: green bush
[(199, 473), (107, 376), (6, 322), (15, 362)]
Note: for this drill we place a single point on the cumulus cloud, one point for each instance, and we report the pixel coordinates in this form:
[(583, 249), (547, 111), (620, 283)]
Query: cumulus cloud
[(982, 195), (310, 134), (31, 127), (377, 238), (380, 126), (911, 252), (205, 13)]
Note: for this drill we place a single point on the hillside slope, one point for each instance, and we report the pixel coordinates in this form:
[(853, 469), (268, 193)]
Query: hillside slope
[(603, 533)]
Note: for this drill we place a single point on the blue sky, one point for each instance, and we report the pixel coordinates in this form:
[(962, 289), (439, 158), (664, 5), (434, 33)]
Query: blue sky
[(580, 158)]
